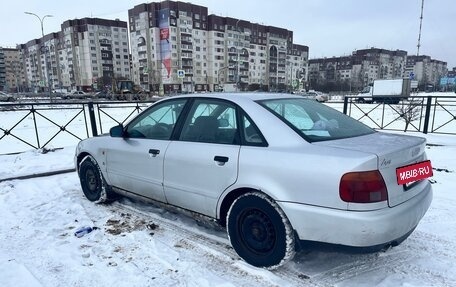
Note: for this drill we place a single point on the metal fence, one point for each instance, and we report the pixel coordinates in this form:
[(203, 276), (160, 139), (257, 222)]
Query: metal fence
[(25, 126), (426, 114)]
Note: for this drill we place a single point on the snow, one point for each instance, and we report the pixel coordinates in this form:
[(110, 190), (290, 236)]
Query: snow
[(138, 244)]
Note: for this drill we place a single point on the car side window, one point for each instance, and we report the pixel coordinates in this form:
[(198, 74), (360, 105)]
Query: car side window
[(252, 135), (211, 121), (157, 122)]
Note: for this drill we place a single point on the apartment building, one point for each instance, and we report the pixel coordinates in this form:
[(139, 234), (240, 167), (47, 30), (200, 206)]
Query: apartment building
[(425, 70), (357, 70), (86, 54), (39, 60), (14, 70), (177, 46), (2, 70)]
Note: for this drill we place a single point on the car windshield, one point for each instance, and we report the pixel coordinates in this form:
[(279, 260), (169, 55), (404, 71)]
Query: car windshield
[(315, 121)]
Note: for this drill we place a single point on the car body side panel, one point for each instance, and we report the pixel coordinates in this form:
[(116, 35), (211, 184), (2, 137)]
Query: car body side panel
[(300, 174), (193, 179), (96, 148), (131, 167)]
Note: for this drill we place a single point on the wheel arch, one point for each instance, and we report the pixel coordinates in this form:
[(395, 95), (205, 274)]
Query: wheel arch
[(79, 158), (228, 199)]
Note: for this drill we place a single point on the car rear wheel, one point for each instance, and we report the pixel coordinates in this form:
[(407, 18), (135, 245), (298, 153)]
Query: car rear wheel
[(92, 182), (259, 231)]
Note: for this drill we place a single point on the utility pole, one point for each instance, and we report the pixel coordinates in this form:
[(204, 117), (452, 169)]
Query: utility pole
[(419, 34)]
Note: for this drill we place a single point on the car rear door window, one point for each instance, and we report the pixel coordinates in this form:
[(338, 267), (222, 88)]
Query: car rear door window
[(211, 121)]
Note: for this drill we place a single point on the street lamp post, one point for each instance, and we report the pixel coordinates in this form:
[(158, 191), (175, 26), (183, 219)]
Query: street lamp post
[(41, 19)]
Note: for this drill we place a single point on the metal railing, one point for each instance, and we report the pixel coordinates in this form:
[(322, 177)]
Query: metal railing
[(25, 126), (426, 114)]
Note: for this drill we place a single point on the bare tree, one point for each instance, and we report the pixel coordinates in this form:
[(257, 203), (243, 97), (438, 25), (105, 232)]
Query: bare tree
[(410, 110)]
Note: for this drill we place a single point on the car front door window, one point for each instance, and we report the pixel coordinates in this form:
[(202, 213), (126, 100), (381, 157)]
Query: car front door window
[(158, 122)]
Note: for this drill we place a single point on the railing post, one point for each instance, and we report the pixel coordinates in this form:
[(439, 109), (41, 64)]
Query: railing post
[(93, 123), (427, 114), (345, 104)]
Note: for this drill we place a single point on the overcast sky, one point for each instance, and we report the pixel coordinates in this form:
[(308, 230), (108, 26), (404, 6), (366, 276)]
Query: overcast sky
[(328, 27)]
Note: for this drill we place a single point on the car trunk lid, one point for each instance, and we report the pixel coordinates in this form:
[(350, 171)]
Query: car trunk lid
[(393, 151)]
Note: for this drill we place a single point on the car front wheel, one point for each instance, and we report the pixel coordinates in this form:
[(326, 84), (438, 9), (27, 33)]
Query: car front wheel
[(259, 231), (92, 182)]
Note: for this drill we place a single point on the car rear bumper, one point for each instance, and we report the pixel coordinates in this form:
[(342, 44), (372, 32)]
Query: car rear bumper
[(357, 228)]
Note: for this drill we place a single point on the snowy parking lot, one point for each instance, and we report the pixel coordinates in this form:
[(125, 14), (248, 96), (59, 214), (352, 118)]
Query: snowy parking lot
[(137, 244)]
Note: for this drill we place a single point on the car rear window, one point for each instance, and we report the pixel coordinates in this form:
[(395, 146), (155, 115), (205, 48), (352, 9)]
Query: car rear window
[(315, 121)]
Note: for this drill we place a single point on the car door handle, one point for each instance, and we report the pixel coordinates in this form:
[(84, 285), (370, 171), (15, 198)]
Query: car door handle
[(221, 159), (154, 152)]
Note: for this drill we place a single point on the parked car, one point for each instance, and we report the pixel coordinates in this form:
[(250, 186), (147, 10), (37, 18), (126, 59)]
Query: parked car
[(274, 169), (318, 96), (4, 97), (77, 95)]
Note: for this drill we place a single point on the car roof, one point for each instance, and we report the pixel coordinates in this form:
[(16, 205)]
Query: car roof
[(240, 96)]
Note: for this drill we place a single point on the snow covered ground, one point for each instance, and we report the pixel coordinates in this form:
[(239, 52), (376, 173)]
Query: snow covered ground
[(137, 244)]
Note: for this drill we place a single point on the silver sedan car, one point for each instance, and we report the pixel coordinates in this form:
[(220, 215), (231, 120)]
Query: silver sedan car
[(274, 169)]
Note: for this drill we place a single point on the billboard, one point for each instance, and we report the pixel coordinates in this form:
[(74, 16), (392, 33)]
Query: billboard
[(165, 46)]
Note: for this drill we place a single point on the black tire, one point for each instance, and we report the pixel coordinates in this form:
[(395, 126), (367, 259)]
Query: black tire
[(92, 182), (259, 231)]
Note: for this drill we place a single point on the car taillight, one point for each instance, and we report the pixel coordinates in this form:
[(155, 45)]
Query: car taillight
[(363, 187)]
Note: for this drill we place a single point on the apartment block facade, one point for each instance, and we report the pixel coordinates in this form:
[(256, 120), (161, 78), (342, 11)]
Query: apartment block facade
[(364, 66), (357, 70), (86, 54), (2, 70), (425, 70), (178, 47), (14, 76)]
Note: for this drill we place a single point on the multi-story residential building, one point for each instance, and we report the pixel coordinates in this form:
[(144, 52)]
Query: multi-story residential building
[(2, 70), (14, 70), (86, 54), (39, 59), (358, 70), (94, 52), (333, 71), (452, 73), (425, 70), (177, 46)]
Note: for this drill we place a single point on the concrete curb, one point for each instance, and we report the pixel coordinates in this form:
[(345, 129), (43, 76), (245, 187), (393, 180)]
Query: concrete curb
[(35, 175)]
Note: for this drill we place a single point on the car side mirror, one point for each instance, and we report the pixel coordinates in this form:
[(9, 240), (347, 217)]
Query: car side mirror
[(117, 131)]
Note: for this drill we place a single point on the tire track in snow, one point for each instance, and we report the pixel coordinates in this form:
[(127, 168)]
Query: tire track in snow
[(394, 260), (223, 259), (216, 249)]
